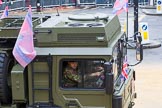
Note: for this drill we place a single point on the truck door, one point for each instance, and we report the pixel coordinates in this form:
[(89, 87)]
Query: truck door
[(82, 84)]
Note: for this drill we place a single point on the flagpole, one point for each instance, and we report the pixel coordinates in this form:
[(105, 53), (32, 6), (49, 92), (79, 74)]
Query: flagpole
[(127, 24), (127, 28), (127, 33)]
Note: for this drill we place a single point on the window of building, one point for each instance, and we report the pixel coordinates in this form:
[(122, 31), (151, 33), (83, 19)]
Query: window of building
[(83, 73)]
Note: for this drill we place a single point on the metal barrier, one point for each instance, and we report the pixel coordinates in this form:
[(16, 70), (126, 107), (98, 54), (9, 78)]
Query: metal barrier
[(143, 2), (67, 2), (87, 2), (22, 4), (104, 2)]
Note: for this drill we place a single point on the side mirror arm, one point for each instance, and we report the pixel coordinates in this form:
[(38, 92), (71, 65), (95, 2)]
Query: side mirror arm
[(109, 78)]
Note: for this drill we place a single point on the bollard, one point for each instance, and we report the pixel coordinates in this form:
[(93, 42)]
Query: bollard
[(159, 6), (143, 28)]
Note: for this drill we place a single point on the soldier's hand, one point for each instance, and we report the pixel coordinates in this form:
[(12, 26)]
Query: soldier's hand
[(96, 74)]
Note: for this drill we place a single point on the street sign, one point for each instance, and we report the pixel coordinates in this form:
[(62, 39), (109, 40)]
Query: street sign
[(159, 6), (143, 28)]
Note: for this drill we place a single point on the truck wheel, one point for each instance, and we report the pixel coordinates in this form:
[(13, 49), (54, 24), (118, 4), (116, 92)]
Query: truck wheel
[(6, 64)]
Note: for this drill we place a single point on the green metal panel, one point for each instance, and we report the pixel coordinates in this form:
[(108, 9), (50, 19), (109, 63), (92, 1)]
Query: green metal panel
[(69, 33), (10, 27), (18, 87), (125, 89), (84, 98), (41, 80)]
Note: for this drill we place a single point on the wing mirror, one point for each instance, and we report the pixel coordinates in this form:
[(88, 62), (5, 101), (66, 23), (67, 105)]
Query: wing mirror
[(139, 48)]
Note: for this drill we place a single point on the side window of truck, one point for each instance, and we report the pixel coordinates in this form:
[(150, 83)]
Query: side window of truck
[(86, 74)]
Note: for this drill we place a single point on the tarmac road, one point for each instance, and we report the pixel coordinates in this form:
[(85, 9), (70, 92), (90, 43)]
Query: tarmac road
[(149, 72), (148, 85)]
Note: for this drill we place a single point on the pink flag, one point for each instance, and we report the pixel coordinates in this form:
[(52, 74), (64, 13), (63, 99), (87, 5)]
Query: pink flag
[(125, 68), (5, 13), (23, 50), (0, 2), (120, 6)]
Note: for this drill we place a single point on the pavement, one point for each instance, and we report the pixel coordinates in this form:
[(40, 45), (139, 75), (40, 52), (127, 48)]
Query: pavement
[(151, 44), (50, 11), (45, 11), (146, 9), (150, 10)]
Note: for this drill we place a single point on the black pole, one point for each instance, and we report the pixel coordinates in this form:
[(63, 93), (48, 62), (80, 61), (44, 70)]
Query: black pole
[(135, 18)]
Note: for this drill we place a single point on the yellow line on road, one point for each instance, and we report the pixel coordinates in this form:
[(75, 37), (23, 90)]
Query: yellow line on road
[(141, 17)]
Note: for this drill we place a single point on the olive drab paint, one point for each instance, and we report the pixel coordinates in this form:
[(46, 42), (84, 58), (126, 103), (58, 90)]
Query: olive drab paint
[(95, 41)]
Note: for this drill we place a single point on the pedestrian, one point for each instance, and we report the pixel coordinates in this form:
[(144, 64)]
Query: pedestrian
[(71, 76)]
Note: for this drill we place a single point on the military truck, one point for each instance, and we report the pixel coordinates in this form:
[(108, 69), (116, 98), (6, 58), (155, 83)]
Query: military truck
[(92, 41)]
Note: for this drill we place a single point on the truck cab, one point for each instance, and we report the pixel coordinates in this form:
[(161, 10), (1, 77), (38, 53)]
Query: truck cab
[(97, 46)]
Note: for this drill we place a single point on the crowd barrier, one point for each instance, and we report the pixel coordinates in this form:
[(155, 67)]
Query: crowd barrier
[(22, 4)]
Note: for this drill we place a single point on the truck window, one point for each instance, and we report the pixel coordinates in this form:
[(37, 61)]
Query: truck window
[(88, 74)]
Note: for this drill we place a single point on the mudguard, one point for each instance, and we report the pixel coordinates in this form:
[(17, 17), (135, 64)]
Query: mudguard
[(124, 91)]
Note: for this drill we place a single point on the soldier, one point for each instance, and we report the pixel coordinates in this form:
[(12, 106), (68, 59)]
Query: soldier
[(72, 76), (95, 78)]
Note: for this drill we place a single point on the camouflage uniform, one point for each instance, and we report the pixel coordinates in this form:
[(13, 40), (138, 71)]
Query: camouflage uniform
[(95, 81), (71, 77)]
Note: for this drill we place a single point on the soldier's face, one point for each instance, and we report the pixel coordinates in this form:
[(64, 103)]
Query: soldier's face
[(73, 65)]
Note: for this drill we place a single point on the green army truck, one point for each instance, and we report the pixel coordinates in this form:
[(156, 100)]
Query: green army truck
[(95, 42)]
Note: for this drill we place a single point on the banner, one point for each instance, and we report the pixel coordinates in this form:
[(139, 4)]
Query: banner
[(5, 13), (23, 50)]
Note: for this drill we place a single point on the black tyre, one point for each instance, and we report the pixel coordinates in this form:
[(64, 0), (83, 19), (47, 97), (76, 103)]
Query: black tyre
[(6, 64)]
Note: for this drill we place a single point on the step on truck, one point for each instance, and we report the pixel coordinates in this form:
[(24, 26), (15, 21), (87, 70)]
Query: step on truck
[(81, 62)]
